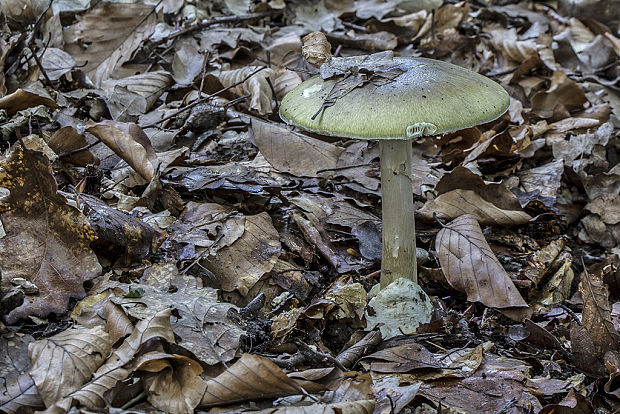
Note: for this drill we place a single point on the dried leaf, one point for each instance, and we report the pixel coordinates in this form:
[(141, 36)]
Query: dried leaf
[(67, 139), (177, 387), (257, 87), (47, 241), (21, 99), (94, 394), (455, 203), (130, 143), (243, 263), (252, 377), (471, 267), (596, 316), (292, 152), (66, 361), (107, 35), (316, 49)]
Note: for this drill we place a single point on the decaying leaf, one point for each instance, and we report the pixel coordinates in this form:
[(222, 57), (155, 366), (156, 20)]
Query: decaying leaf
[(256, 86), (130, 143), (596, 315), (292, 152), (249, 378), (47, 241), (107, 35), (471, 266), (204, 327), (63, 363), (240, 265), (177, 387)]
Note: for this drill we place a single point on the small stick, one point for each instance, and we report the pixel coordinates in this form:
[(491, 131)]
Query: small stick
[(35, 28)]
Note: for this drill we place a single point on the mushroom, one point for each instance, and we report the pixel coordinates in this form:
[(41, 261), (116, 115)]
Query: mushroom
[(427, 98)]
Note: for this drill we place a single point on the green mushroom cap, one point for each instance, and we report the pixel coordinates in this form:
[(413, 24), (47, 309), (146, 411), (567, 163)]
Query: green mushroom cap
[(429, 97)]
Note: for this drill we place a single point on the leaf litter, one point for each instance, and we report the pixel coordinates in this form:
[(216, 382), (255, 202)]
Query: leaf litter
[(168, 243)]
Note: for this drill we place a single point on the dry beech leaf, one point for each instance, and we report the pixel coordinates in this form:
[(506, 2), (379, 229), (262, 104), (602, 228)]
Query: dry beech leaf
[(20, 395), (240, 265), (67, 139), (130, 143), (455, 203), (506, 41), (284, 82), (252, 377), (292, 152), (21, 99), (471, 266), (56, 62), (177, 387), (562, 91), (118, 324), (202, 325), (93, 394), (66, 361), (257, 86), (47, 241), (133, 96), (316, 48), (596, 315), (348, 407), (107, 35)]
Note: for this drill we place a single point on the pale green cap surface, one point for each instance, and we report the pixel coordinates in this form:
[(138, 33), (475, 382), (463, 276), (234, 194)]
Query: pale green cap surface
[(430, 97)]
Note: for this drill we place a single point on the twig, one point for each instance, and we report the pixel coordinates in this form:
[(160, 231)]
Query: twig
[(84, 148), (310, 353), (346, 167), (204, 99), (35, 29)]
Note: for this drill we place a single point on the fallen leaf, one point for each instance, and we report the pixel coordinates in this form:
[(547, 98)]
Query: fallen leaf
[(107, 35), (471, 267), (130, 143), (596, 315), (292, 152), (47, 241), (251, 377), (64, 362)]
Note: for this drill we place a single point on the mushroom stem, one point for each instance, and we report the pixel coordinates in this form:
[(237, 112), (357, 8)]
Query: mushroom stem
[(399, 259)]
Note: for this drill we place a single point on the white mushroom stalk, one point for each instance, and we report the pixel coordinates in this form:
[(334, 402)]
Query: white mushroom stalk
[(426, 97)]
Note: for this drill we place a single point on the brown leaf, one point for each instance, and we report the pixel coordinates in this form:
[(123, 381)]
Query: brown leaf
[(252, 377), (257, 86), (107, 35), (316, 49), (47, 241), (596, 316), (245, 261), (292, 152), (177, 386), (17, 389), (130, 143), (20, 395), (563, 91), (67, 139), (66, 361), (455, 203), (471, 267), (94, 393), (203, 325), (21, 99)]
